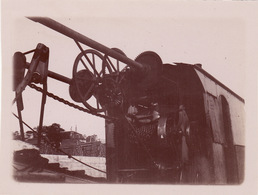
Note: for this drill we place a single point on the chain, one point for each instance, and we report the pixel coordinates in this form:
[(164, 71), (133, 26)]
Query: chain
[(66, 102), (60, 150)]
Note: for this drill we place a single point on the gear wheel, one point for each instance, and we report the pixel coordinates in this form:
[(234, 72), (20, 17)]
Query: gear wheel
[(109, 93)]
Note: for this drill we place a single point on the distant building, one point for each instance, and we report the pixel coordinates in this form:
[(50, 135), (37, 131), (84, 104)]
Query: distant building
[(75, 144), (71, 142)]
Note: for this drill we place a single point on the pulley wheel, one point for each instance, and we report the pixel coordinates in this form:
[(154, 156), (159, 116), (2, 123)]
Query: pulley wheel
[(87, 76), (113, 67), (84, 81), (152, 69)]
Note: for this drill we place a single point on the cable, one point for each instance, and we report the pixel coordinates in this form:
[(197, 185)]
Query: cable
[(60, 150)]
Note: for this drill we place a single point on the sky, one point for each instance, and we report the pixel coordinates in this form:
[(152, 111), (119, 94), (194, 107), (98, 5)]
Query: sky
[(214, 36)]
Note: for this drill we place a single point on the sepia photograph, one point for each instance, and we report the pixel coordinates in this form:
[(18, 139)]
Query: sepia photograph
[(128, 95)]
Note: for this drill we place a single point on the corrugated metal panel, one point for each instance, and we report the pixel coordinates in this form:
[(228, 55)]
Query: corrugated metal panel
[(214, 117), (208, 84), (236, 107), (237, 116), (202, 73), (240, 154), (219, 164)]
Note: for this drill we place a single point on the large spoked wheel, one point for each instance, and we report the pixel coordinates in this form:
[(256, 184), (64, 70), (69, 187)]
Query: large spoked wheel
[(111, 93), (87, 77), (113, 67)]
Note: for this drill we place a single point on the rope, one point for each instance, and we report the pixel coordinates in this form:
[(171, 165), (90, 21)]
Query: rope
[(60, 150)]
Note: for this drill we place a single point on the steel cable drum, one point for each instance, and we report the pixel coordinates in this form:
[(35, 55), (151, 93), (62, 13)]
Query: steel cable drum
[(152, 69)]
